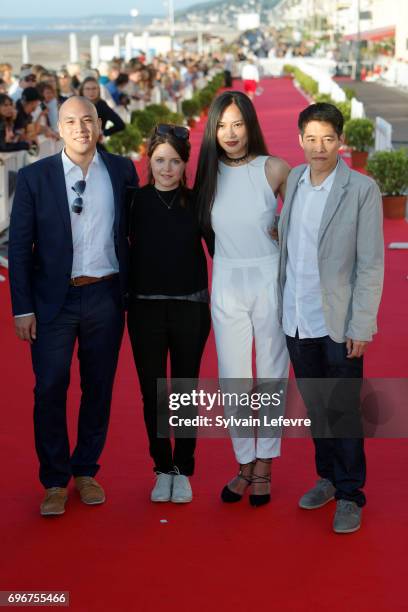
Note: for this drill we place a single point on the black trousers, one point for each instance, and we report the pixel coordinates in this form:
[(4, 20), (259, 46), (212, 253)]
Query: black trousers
[(340, 459), (93, 315), (227, 78), (158, 328)]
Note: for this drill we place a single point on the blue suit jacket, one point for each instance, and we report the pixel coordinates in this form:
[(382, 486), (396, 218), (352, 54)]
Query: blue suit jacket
[(40, 239)]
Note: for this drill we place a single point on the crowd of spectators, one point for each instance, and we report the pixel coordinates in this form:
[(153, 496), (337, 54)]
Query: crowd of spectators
[(29, 102)]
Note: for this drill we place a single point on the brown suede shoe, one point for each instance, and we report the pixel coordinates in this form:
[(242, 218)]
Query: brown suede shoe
[(90, 491), (54, 501)]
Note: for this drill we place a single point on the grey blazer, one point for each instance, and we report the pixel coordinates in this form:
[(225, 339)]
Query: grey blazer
[(350, 253)]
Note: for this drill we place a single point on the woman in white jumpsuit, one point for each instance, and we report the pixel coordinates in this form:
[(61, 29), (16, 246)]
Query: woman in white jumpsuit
[(237, 185)]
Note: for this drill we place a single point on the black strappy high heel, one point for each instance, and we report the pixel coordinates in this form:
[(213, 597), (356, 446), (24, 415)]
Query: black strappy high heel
[(260, 500), (229, 496)]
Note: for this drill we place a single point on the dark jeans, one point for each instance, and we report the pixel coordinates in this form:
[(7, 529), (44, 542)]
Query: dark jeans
[(93, 315), (340, 459), (157, 328)]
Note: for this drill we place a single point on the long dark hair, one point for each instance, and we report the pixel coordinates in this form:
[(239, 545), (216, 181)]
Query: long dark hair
[(6, 98), (205, 185), (182, 147)]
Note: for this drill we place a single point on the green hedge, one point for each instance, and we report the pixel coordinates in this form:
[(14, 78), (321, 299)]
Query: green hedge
[(311, 87), (306, 82)]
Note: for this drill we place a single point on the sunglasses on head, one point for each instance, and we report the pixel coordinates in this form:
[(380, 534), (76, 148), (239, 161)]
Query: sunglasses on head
[(78, 203), (31, 79), (162, 129)]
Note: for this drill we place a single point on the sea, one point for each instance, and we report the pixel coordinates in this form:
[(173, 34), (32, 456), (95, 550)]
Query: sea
[(48, 39)]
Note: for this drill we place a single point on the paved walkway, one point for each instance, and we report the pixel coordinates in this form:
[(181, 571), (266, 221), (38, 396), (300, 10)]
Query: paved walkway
[(389, 103)]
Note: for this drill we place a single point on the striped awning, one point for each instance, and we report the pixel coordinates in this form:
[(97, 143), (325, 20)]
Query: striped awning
[(378, 34)]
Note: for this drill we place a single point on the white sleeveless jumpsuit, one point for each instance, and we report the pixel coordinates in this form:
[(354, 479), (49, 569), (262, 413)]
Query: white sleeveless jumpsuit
[(244, 288)]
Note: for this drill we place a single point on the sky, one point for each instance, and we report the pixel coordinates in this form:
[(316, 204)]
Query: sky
[(83, 8)]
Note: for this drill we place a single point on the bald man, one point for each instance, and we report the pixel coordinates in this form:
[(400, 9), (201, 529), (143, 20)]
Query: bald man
[(68, 254)]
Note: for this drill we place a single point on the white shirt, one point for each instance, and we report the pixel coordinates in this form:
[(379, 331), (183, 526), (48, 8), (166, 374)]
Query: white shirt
[(302, 298), (15, 92), (52, 106), (250, 73), (93, 229)]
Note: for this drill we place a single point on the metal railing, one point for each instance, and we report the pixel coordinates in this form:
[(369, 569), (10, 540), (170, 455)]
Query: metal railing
[(10, 164)]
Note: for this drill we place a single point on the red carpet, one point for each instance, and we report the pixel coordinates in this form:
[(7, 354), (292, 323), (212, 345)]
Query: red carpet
[(120, 557)]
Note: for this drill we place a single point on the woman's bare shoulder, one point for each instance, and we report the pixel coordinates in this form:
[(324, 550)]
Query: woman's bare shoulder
[(277, 165), (276, 170)]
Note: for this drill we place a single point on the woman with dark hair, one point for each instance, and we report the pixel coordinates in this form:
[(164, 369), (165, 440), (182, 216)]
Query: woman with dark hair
[(9, 140), (90, 89), (168, 307), (237, 186)]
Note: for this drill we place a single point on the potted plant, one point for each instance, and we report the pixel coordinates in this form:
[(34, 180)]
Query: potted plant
[(390, 170), (175, 118), (345, 109), (160, 111), (145, 121), (204, 97), (359, 135), (190, 109), (125, 142)]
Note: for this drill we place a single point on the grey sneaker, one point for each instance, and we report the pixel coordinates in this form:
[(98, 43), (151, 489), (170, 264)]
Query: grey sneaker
[(162, 489), (348, 517), (317, 497), (182, 492)]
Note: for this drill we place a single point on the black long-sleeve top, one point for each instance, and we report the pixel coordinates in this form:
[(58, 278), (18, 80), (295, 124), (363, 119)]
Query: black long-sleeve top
[(166, 251), (106, 113), (9, 147)]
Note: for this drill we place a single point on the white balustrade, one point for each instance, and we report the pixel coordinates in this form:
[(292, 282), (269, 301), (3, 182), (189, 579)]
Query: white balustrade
[(357, 109), (383, 135)]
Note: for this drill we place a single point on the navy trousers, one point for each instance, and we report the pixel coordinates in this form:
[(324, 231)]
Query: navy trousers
[(340, 459), (93, 315)]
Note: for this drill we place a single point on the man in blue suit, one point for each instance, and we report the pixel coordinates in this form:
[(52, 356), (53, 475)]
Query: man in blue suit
[(68, 258)]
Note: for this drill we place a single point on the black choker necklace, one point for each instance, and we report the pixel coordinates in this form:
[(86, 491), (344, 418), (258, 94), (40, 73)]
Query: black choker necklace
[(236, 160)]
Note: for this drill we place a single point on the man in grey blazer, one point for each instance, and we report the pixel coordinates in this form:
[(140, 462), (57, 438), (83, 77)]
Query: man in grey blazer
[(330, 281)]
